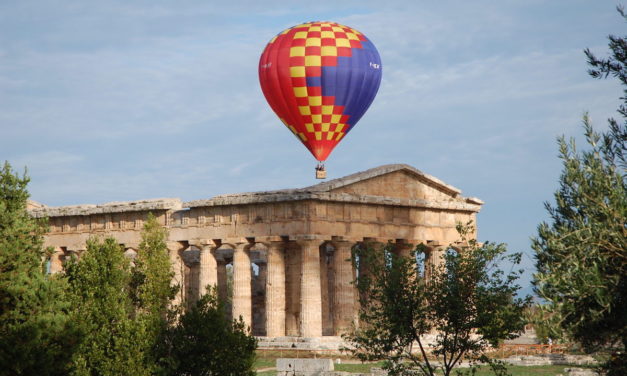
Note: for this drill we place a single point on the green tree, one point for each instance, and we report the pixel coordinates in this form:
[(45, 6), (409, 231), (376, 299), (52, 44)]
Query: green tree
[(151, 288), (36, 335), (205, 342), (113, 343), (581, 255), (466, 301)]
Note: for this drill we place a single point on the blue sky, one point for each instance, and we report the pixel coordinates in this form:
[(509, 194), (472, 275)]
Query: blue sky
[(119, 100)]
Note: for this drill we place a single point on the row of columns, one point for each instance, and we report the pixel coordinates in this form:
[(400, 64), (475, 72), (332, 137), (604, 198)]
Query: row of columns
[(289, 310), (306, 299)]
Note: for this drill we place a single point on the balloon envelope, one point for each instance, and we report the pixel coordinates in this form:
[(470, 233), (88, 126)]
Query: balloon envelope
[(320, 78)]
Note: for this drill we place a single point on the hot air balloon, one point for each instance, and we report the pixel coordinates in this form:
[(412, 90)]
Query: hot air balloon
[(320, 78)]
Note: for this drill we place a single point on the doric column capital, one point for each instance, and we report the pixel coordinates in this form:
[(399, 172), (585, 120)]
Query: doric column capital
[(309, 242), (203, 243)]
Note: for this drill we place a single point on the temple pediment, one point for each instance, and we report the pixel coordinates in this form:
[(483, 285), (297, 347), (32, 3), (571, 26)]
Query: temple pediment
[(394, 184), (395, 180)]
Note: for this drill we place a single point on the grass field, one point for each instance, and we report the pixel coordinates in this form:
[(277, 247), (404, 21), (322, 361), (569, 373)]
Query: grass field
[(485, 371)]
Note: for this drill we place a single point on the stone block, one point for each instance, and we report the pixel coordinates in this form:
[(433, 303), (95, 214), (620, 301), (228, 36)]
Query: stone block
[(303, 367), (580, 372)]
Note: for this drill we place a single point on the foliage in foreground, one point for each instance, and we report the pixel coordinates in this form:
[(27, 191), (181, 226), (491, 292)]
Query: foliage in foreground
[(114, 343), (130, 326), (466, 301), (36, 335), (206, 342), (581, 255), (151, 288)]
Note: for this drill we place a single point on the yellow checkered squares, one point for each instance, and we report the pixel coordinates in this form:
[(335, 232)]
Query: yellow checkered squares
[(308, 53), (313, 61), (328, 51), (313, 42), (315, 101), (341, 42), (297, 71), (297, 51), (300, 92)]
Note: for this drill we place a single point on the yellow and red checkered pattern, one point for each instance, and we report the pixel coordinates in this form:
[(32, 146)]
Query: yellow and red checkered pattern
[(311, 104)]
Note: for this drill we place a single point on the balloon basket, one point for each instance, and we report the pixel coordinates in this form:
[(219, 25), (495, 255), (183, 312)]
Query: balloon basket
[(321, 173)]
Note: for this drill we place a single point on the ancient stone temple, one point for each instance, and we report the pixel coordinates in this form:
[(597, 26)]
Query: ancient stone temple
[(281, 258)]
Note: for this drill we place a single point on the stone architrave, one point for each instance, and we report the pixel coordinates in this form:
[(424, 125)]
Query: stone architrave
[(344, 313), (275, 290), (310, 290), (208, 272), (242, 284)]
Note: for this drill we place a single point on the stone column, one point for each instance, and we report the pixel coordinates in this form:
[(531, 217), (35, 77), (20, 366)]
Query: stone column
[(344, 313), (275, 290), (56, 260), (242, 286), (208, 271), (174, 249), (434, 259), (310, 290), (404, 249)]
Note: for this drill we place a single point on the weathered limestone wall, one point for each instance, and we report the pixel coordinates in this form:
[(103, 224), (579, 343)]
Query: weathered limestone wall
[(289, 250)]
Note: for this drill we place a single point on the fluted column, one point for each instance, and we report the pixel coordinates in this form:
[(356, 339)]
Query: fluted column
[(275, 290), (344, 313), (310, 290), (176, 262), (242, 286), (208, 272), (403, 249), (435, 258), (56, 260)]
